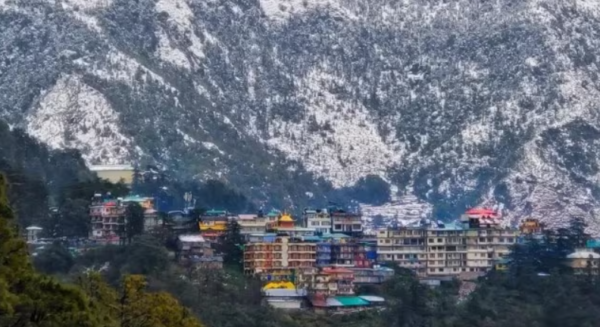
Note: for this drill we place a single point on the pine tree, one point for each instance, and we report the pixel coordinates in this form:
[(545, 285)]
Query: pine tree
[(28, 298), (231, 244), (134, 221)]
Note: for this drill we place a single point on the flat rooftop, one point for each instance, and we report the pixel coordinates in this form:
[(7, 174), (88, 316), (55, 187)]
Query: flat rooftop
[(110, 167)]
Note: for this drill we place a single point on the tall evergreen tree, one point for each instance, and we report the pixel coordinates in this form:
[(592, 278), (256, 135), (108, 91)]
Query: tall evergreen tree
[(231, 244), (27, 298), (134, 221)]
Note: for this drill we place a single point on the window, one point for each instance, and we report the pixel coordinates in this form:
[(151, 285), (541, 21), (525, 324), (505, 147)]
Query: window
[(431, 240), (439, 240), (441, 269)]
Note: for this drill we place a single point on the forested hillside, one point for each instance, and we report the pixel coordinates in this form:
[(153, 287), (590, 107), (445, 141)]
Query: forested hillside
[(457, 102)]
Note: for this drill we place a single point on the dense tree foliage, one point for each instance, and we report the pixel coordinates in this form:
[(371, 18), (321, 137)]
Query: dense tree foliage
[(370, 189), (231, 245), (169, 192), (54, 259), (29, 299), (134, 221)]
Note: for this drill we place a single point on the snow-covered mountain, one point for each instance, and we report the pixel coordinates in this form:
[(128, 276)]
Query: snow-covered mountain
[(452, 102)]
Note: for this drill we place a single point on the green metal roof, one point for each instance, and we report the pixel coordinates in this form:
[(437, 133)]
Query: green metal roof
[(134, 198), (273, 213), (351, 301)]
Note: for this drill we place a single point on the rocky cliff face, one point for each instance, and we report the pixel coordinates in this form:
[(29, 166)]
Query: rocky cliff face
[(453, 103)]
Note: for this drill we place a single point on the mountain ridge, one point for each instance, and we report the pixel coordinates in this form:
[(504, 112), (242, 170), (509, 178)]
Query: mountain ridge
[(459, 103)]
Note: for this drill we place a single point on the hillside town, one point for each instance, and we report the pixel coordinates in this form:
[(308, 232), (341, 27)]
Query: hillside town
[(318, 259)]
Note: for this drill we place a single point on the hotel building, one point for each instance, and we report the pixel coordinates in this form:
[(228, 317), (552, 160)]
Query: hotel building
[(435, 249)]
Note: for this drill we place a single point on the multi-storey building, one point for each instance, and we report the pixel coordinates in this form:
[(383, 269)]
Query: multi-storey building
[(278, 257), (406, 246), (254, 224), (346, 222), (107, 216), (474, 244), (325, 282), (365, 255), (213, 224), (191, 246), (318, 219), (343, 249), (323, 253)]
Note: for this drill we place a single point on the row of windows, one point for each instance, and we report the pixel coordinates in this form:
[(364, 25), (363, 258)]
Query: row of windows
[(457, 240), (320, 223)]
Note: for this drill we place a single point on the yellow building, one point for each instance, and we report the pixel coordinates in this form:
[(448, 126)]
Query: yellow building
[(114, 173), (213, 223), (440, 250)]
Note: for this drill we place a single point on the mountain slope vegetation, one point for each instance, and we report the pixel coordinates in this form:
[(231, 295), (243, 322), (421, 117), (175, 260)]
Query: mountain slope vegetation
[(457, 102)]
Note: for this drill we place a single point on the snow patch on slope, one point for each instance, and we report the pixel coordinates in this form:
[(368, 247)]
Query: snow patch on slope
[(82, 10), (169, 53), (73, 115), (179, 12), (335, 139), (591, 6), (536, 180), (402, 210), (117, 66), (181, 17), (280, 10)]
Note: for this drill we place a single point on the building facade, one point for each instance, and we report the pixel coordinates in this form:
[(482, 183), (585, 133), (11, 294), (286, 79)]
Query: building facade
[(347, 223), (318, 219), (275, 257), (213, 224), (434, 249), (107, 216), (254, 224)]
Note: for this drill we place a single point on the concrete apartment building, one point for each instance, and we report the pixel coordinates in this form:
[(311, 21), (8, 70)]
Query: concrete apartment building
[(335, 221), (318, 219), (275, 257), (434, 249), (254, 224)]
